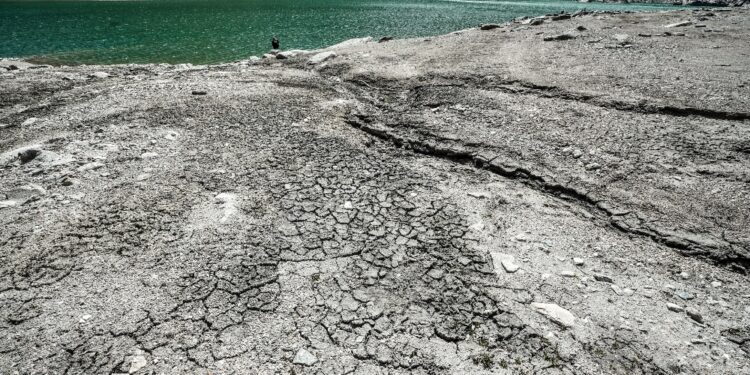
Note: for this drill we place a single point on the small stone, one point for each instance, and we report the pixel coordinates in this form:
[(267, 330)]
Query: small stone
[(578, 261), (685, 295), (100, 75), (621, 39), (581, 28), (555, 313), (90, 166), (559, 37), (28, 155), (628, 292), (679, 24), (143, 177), (616, 289), (568, 274), (685, 275), (199, 92), (136, 363), (489, 26), (505, 262), (305, 358), (716, 284), (577, 153), (149, 155), (593, 166), (603, 278), (694, 314), (29, 121), (348, 205), (675, 308)]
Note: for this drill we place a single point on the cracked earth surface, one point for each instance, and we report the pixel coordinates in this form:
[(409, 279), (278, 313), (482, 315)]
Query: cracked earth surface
[(477, 203)]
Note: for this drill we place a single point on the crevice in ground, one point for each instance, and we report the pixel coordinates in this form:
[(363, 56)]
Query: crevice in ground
[(726, 254)]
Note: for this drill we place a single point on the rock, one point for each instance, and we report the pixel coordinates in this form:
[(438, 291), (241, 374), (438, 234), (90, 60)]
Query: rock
[(149, 155), (289, 54), (348, 205), (28, 155), (505, 262), (136, 363), (679, 24), (100, 75), (555, 313), (592, 166), (684, 295), (29, 121), (581, 28), (568, 274), (694, 314), (321, 57), (675, 308), (199, 92), (561, 17), (90, 166), (616, 289), (621, 39), (578, 261), (644, 35), (577, 153), (565, 36), (489, 26), (385, 39), (716, 284), (603, 278), (304, 358)]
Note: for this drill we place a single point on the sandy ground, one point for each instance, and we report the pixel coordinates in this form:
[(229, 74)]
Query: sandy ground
[(484, 202)]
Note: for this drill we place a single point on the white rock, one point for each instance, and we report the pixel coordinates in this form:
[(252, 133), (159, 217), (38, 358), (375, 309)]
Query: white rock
[(29, 121), (100, 75), (136, 363), (555, 313), (716, 284), (578, 261), (305, 358), (680, 24), (568, 273), (505, 262), (321, 57), (348, 205), (149, 155)]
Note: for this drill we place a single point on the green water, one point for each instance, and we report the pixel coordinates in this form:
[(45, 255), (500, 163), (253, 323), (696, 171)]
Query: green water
[(210, 31)]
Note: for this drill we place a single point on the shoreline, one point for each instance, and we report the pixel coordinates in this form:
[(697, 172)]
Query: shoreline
[(557, 195), (39, 60)]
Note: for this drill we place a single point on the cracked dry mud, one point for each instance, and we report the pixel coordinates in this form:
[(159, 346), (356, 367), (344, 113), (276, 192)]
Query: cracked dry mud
[(475, 203)]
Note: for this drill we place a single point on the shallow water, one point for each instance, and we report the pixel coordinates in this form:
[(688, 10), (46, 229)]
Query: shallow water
[(210, 31)]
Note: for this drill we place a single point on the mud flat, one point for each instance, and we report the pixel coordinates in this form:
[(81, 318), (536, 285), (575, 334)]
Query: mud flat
[(557, 195)]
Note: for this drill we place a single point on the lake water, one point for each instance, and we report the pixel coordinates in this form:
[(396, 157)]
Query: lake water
[(210, 31)]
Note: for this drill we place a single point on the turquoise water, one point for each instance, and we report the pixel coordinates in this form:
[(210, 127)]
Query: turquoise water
[(210, 31)]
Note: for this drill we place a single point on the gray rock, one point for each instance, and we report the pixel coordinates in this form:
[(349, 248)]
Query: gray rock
[(555, 313), (684, 295), (578, 261), (489, 26), (675, 308), (694, 314), (568, 274), (90, 166), (304, 358), (564, 36), (505, 262), (603, 278), (100, 75)]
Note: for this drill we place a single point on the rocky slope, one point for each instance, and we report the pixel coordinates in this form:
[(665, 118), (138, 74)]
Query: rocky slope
[(559, 195)]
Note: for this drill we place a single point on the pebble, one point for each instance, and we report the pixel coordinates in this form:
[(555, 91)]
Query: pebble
[(694, 314), (136, 363), (504, 261), (565, 36), (577, 153), (675, 308), (348, 205), (29, 121), (149, 155), (305, 358), (568, 274), (578, 261), (90, 166), (685, 295), (716, 284), (685, 275), (616, 289), (99, 75), (555, 313), (603, 278)]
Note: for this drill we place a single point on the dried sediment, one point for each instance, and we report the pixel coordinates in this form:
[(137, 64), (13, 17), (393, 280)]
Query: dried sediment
[(348, 213)]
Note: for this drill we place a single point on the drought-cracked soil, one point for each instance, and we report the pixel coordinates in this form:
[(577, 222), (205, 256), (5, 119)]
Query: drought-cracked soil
[(480, 202)]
